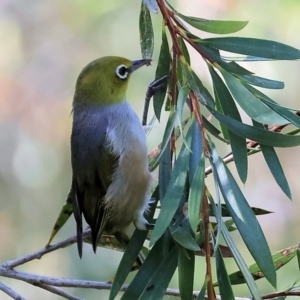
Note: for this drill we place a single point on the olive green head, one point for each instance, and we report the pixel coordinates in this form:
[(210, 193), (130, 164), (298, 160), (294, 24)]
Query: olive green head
[(105, 80)]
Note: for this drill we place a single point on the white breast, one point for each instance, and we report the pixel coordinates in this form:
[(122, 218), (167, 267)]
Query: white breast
[(128, 193)]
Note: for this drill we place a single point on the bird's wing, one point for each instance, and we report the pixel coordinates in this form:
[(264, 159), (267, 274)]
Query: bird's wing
[(93, 165)]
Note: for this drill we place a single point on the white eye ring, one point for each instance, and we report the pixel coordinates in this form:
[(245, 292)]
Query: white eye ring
[(122, 71)]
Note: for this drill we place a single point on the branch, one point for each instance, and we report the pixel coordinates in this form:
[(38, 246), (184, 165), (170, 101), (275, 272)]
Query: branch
[(39, 253), (7, 290)]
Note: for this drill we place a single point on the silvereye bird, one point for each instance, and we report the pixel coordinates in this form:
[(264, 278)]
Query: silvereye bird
[(111, 182)]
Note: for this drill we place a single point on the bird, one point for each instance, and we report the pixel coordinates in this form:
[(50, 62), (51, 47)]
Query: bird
[(111, 182)]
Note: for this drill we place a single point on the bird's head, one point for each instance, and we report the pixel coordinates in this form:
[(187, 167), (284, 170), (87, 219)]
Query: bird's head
[(105, 80)]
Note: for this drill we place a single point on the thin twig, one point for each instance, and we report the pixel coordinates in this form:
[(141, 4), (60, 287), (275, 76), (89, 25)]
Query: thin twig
[(57, 291), (7, 290), (39, 253)]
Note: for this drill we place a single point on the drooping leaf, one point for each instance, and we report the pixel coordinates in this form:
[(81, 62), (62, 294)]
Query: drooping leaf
[(195, 199), (223, 279), (174, 191), (262, 82), (238, 258), (243, 217), (238, 143), (284, 112), (274, 165), (225, 212), (264, 137), (180, 229), (249, 103), (254, 47), (195, 84), (163, 68), (162, 276), (143, 278), (213, 55), (186, 267), (131, 253), (280, 259), (214, 26), (65, 212), (146, 32)]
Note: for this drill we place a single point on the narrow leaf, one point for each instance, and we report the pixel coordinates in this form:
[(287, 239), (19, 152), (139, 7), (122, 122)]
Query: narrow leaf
[(65, 212), (280, 259), (238, 143), (143, 278), (163, 67), (161, 278), (214, 26), (274, 165), (264, 137), (196, 193), (283, 111), (215, 57), (174, 192), (254, 47), (240, 262), (249, 103), (186, 268), (262, 82), (130, 256), (223, 279), (244, 218), (181, 232)]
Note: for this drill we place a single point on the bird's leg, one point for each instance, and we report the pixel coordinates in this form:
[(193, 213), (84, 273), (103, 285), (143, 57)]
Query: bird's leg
[(153, 87)]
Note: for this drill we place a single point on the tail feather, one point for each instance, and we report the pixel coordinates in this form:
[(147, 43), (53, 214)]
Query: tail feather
[(78, 217)]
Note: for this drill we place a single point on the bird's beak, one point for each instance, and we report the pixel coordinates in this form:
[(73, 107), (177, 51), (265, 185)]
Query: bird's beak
[(136, 64)]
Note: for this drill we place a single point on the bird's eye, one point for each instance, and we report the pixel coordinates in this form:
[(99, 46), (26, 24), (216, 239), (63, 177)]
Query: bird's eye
[(122, 72)]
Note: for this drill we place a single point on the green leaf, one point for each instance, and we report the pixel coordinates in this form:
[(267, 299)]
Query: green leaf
[(174, 192), (164, 158), (214, 26), (185, 51), (143, 278), (196, 147), (225, 212), (211, 128), (264, 137), (280, 259), (249, 103), (195, 84), (182, 96), (161, 278), (181, 232), (244, 218), (163, 67), (238, 143), (146, 32), (240, 262), (196, 193), (223, 279), (131, 253), (213, 55), (284, 112), (254, 47), (186, 268), (65, 213), (262, 82), (274, 165)]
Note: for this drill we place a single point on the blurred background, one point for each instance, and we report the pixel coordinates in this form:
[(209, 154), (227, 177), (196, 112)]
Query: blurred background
[(44, 46)]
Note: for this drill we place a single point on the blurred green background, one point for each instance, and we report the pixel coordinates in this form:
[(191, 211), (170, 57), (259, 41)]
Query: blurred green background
[(44, 46)]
